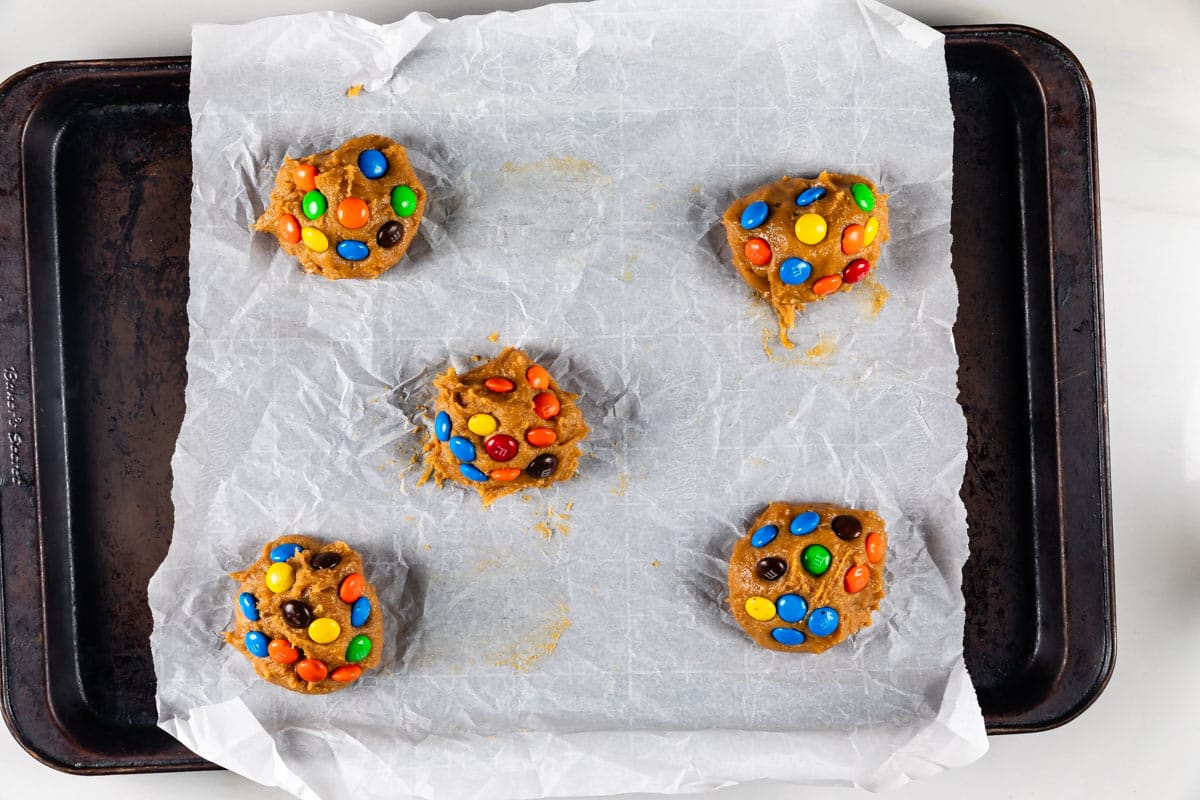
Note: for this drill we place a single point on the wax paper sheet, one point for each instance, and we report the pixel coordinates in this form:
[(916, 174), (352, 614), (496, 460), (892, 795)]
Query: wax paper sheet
[(572, 641)]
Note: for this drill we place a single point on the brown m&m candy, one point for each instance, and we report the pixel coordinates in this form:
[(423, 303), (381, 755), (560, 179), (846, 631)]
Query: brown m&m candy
[(306, 613)]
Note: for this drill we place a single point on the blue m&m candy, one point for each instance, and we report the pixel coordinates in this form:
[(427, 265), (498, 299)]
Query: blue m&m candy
[(257, 644), (472, 472), (282, 552), (764, 536), (360, 612), (810, 195), (441, 426), (372, 163), (805, 523), (249, 606), (754, 215), (352, 250), (823, 621), (791, 607), (787, 636), (794, 271), (462, 449)]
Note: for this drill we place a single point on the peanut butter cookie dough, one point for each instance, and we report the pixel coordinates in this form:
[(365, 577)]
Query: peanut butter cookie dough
[(307, 619), (796, 240), (347, 213), (504, 427), (808, 575)]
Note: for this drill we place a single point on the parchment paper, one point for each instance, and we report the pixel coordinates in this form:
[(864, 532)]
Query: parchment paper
[(574, 641)]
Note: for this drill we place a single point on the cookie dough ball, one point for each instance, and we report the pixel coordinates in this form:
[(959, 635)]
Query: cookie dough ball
[(347, 213), (808, 575), (797, 240), (504, 427), (306, 617)]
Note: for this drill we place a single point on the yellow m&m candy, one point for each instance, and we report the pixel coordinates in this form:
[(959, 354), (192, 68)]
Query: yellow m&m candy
[(872, 231), (314, 240), (324, 630), (482, 424), (280, 577), (810, 228), (760, 608)]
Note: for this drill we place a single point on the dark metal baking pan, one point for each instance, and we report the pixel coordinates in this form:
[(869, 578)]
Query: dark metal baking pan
[(95, 178)]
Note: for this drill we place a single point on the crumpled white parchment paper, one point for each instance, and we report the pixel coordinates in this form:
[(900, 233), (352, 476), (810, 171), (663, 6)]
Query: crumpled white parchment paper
[(578, 159)]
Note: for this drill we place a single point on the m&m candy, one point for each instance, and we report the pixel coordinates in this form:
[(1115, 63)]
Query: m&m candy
[(372, 164)]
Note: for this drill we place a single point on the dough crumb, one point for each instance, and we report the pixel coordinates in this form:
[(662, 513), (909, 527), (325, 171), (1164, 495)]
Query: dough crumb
[(355, 90), (817, 355), (654, 563), (875, 296), (564, 167), (553, 524), (622, 485), (820, 351), (494, 336), (543, 643)]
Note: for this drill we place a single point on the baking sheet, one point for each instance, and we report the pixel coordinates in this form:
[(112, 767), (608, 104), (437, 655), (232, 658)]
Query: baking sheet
[(577, 159)]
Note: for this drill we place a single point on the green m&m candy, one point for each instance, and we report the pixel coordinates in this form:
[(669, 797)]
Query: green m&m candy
[(864, 198), (404, 201), (816, 559), (358, 649), (313, 204)]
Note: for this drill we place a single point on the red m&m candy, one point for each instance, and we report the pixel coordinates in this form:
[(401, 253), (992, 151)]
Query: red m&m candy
[(501, 447)]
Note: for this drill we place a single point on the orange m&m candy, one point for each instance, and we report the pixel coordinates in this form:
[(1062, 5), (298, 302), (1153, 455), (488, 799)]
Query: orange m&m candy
[(505, 474), (541, 437), (852, 239), (500, 385), (289, 229), (538, 377), (353, 212), (352, 587), (827, 285), (758, 252), (312, 670), (546, 405), (875, 548), (305, 176), (857, 578), (281, 650), (346, 673)]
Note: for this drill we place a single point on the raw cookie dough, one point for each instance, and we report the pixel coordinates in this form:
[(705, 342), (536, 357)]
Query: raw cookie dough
[(347, 213), (306, 617), (799, 240), (504, 427), (808, 575)]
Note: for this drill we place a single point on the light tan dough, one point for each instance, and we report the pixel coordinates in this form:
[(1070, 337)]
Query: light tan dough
[(751, 571), (339, 178), (318, 590), (463, 396), (839, 210)]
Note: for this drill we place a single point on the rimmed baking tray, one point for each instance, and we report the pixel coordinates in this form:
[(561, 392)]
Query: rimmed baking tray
[(95, 180)]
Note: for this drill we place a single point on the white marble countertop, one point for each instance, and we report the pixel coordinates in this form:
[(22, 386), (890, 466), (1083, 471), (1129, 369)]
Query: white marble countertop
[(1139, 738)]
